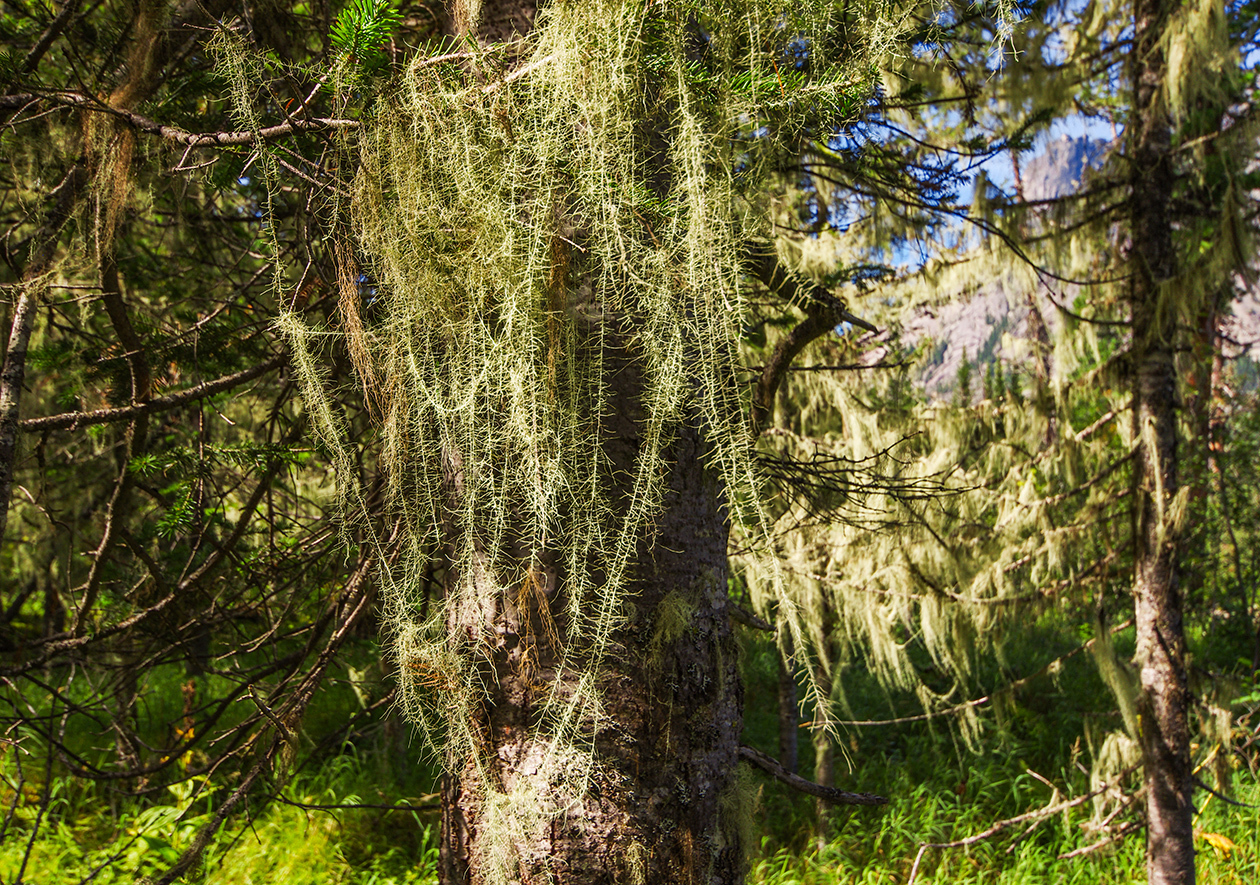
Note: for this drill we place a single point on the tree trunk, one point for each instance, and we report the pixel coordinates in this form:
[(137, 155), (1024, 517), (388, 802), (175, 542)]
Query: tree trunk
[(661, 802), (1164, 702), (789, 718), (823, 740), (13, 372), (651, 794)]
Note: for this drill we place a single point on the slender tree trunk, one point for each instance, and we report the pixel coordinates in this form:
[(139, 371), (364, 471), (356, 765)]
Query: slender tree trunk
[(13, 372), (1164, 703), (824, 775), (789, 718), (824, 741)]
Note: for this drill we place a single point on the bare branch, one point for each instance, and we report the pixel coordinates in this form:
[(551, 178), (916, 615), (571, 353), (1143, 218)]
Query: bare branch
[(829, 794), (141, 123), (74, 420)]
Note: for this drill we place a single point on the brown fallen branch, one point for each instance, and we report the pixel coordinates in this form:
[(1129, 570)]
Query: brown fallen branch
[(1038, 815), (839, 367), (161, 404), (772, 767)]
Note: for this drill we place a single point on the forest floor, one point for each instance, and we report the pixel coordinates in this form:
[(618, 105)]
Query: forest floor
[(1033, 756)]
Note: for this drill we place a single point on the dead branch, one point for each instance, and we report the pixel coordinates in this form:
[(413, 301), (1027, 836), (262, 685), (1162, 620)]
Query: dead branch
[(772, 767), (75, 420)]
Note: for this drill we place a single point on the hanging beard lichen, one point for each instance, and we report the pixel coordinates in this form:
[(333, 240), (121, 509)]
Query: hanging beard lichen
[(948, 529), (529, 231)]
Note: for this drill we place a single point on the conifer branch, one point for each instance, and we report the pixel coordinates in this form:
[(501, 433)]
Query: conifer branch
[(141, 123), (980, 702), (1198, 782), (72, 420), (824, 311)]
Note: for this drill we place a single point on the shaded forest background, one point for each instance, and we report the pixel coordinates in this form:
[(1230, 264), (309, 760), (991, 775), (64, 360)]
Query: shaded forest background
[(195, 675)]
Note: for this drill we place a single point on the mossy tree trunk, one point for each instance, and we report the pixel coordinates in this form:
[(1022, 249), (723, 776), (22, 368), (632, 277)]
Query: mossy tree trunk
[(658, 802), (1161, 644)]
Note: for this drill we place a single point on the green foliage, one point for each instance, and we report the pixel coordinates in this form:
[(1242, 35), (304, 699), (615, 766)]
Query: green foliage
[(940, 792), (187, 461), (962, 382), (86, 837), (362, 28)]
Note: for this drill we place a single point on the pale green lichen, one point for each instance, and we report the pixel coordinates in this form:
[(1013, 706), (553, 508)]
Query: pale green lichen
[(517, 235)]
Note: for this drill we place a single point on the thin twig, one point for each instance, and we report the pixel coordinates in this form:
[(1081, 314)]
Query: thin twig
[(1202, 786), (340, 806), (1103, 843)]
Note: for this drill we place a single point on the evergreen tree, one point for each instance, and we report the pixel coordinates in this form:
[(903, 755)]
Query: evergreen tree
[(562, 225)]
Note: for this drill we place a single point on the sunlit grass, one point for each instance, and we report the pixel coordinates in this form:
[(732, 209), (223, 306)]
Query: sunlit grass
[(939, 791), (82, 837)]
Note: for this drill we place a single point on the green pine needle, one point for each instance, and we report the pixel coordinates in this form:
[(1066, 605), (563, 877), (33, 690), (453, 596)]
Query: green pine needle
[(363, 27)]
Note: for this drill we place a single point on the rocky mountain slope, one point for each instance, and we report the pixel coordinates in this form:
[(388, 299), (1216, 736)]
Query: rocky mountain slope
[(992, 322)]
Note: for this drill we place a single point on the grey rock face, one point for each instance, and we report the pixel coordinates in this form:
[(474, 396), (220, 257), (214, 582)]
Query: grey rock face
[(1060, 170)]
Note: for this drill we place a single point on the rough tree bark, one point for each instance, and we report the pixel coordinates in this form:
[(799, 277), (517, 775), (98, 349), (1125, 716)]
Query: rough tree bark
[(668, 746), (666, 749), (1161, 645)]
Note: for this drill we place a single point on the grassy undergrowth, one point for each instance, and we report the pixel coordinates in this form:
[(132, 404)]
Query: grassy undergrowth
[(965, 799), (81, 838), (1035, 754)]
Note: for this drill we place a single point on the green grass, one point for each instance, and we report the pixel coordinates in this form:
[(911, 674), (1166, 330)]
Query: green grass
[(282, 844), (939, 791), (869, 846)]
